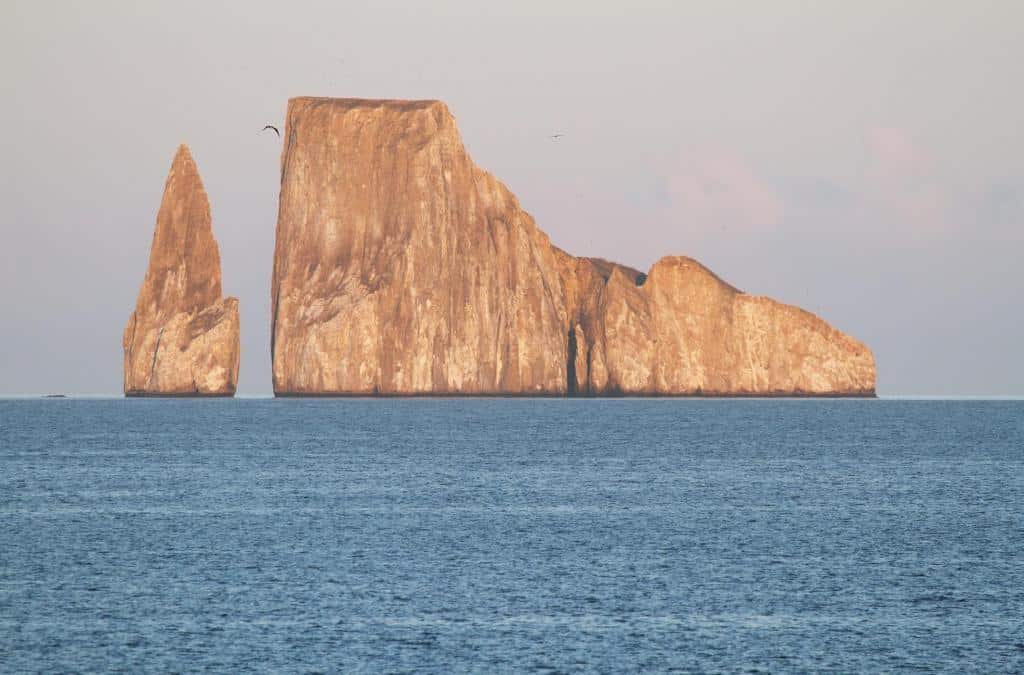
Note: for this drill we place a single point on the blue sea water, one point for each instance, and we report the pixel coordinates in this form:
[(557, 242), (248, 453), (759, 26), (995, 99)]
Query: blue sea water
[(488, 535)]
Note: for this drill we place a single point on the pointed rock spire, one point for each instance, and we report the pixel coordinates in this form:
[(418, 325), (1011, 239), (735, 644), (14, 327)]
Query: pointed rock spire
[(182, 339)]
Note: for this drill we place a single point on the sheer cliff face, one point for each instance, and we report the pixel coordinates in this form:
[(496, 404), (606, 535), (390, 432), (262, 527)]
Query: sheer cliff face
[(402, 268), (182, 338)]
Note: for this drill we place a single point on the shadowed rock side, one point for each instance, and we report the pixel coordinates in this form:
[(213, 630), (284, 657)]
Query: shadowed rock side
[(182, 339), (402, 268)]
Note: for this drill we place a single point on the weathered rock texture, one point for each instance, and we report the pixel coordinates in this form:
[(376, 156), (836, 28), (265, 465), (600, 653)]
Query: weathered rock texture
[(182, 338), (402, 268)]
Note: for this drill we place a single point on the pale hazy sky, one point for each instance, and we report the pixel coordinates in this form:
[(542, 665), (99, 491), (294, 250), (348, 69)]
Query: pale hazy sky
[(862, 160)]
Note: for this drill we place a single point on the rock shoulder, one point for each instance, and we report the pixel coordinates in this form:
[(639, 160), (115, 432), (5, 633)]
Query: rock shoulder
[(685, 331)]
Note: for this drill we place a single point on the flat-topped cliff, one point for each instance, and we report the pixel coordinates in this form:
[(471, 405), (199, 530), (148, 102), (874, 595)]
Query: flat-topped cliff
[(402, 268), (182, 339)]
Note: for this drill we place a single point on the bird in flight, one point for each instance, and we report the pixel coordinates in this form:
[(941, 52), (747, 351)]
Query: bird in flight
[(271, 126), (555, 137)]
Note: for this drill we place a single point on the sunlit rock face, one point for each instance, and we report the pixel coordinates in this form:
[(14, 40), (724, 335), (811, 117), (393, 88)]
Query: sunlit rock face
[(402, 268), (685, 331), (182, 339)]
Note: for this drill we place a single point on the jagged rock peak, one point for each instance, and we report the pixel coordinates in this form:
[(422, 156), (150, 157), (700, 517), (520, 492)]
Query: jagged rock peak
[(182, 338)]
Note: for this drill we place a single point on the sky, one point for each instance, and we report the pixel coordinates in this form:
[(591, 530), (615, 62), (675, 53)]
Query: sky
[(864, 161)]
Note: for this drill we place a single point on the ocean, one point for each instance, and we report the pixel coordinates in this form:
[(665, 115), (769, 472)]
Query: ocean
[(523, 535)]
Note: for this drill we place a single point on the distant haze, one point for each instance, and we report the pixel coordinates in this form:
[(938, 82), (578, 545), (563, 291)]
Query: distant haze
[(864, 161)]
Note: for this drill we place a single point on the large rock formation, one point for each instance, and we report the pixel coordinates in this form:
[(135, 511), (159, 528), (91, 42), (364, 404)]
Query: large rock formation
[(402, 268), (182, 338)]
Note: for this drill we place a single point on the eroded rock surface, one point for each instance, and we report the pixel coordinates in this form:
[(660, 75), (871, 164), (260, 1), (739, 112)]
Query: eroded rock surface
[(685, 331), (402, 268), (182, 339)]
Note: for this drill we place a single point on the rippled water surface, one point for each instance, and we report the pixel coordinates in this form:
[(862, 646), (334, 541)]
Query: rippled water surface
[(524, 535)]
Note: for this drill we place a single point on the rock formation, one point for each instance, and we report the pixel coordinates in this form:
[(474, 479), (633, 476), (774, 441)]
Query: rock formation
[(182, 338), (402, 268)]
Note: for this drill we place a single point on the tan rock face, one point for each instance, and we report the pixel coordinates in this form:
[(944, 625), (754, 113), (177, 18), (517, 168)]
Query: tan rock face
[(685, 331), (402, 268), (182, 338)]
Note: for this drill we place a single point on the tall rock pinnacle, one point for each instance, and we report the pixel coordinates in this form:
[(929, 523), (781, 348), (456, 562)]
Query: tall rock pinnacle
[(402, 268), (182, 339)]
